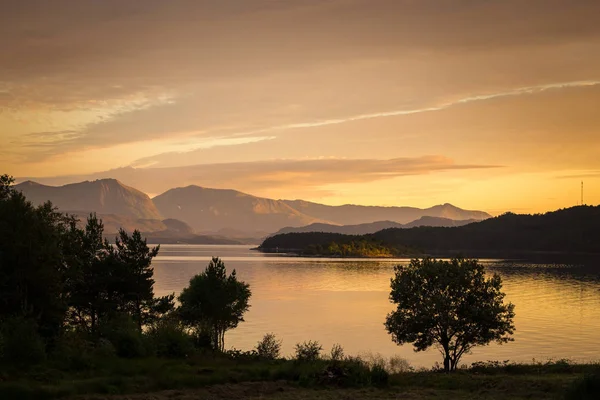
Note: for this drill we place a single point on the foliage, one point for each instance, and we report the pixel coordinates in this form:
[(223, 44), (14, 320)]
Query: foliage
[(333, 245), (240, 355), (169, 339), (214, 302), (32, 262), (269, 347), (6, 183), (21, 343), (337, 352), (122, 331), (450, 305), (308, 351), (379, 376), (398, 365)]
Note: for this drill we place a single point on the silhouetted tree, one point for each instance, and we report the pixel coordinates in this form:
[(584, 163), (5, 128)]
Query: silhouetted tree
[(32, 262), (90, 276), (213, 303), (134, 281), (448, 304)]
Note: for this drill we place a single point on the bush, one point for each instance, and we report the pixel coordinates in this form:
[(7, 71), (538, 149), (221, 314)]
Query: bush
[(269, 347), (373, 359), (308, 351), (73, 351), (586, 388), (379, 376), (20, 342), (337, 352), (169, 339), (125, 336), (240, 355), (398, 365)]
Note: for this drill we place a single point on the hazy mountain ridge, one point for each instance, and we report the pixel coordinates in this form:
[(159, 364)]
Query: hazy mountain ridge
[(106, 196), (363, 229), (215, 209), (224, 213), (350, 214)]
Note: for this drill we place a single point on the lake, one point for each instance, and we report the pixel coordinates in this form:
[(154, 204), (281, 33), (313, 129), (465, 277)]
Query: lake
[(345, 301)]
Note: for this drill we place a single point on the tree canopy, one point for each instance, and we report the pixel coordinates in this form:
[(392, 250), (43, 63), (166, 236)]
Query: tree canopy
[(214, 302), (450, 305)]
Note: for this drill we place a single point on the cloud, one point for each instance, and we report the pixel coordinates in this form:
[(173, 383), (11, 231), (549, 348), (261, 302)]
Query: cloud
[(265, 176)]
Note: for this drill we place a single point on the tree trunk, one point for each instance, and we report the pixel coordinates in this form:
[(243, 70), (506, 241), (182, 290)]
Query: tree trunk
[(447, 363)]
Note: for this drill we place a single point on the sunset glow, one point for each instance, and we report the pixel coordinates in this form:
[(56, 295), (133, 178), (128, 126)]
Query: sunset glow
[(490, 105)]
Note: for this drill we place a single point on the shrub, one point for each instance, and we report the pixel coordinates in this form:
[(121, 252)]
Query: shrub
[(586, 388), (240, 355), (379, 376), (73, 351), (398, 365), (169, 339), (269, 347), (337, 352), (20, 342), (308, 351), (125, 336), (373, 359)]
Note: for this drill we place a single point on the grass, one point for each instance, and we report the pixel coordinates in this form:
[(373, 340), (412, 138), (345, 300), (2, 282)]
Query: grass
[(219, 377)]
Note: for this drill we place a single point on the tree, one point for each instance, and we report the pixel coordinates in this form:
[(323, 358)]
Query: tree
[(89, 275), (213, 303), (449, 304), (32, 262), (133, 279), (269, 348)]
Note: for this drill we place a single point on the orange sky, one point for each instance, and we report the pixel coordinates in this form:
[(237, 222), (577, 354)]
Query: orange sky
[(490, 105)]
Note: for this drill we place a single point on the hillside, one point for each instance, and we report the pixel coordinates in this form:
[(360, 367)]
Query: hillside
[(571, 230), (354, 215), (215, 209), (438, 222), (105, 196), (363, 229)]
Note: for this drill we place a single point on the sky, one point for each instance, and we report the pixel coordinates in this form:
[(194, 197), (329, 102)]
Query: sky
[(486, 104)]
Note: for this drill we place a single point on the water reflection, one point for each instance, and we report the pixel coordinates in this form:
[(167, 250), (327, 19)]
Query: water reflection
[(346, 301)]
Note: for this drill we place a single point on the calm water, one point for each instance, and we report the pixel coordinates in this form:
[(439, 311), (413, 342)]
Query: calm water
[(345, 301)]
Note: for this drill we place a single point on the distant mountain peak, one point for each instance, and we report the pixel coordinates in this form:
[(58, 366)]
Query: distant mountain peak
[(104, 196)]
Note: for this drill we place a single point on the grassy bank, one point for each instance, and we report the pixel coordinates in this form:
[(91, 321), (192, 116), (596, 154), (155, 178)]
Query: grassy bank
[(223, 377)]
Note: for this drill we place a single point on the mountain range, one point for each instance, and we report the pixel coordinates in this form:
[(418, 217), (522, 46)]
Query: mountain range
[(372, 227), (221, 214)]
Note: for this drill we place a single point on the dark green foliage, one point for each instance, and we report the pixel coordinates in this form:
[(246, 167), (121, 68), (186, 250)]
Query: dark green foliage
[(448, 304), (169, 339), (106, 280), (586, 388), (134, 257), (214, 302), (269, 348), (6, 183), (32, 262), (20, 342), (333, 245), (122, 331), (379, 376), (308, 351)]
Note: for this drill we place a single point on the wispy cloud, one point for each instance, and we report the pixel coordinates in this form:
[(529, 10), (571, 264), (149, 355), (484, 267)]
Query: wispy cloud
[(275, 175), (396, 113)]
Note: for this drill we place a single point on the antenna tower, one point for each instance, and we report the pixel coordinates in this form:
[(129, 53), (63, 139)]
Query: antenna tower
[(581, 192)]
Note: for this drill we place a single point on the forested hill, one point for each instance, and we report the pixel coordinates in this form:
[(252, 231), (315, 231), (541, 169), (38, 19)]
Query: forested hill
[(571, 230)]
